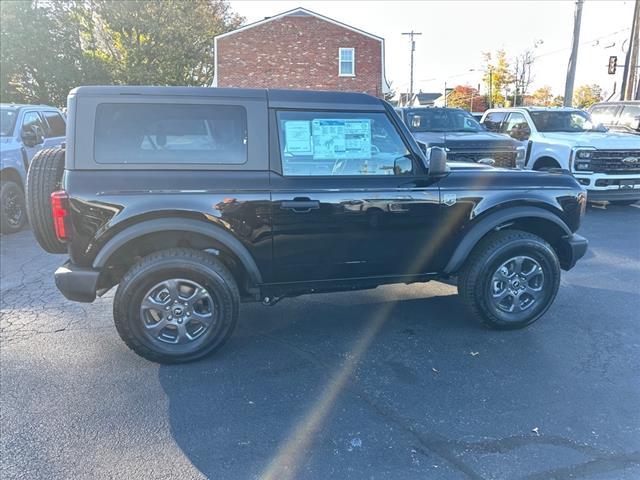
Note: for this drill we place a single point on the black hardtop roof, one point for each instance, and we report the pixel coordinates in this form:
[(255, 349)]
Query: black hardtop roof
[(272, 95)]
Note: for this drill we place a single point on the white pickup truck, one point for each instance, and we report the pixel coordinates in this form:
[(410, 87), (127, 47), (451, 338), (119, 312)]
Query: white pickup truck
[(606, 163)]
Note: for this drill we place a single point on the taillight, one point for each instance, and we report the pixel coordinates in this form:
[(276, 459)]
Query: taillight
[(60, 212)]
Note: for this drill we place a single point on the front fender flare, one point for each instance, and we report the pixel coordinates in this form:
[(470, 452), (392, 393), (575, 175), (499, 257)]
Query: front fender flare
[(492, 221), (184, 225)]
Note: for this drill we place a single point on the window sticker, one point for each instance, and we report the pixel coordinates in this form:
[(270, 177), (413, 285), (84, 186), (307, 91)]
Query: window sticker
[(340, 138), (298, 137)]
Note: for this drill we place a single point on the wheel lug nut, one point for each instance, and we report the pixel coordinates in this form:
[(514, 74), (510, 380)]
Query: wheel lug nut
[(170, 317)]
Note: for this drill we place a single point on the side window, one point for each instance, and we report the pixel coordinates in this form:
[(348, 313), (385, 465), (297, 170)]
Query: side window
[(629, 116), (604, 114), (517, 127), (347, 62), (170, 133), (30, 119), (494, 120), (57, 125), (339, 143)]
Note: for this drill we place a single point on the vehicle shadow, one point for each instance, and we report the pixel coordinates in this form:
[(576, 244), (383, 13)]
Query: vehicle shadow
[(296, 391), (232, 413)]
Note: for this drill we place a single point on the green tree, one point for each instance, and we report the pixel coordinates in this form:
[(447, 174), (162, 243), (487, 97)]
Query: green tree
[(49, 47), (40, 52), (587, 95), (161, 42), (497, 76), (464, 96)]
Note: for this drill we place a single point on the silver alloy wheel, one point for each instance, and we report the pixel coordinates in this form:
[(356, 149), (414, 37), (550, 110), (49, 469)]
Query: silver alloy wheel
[(13, 209), (517, 285), (177, 311)]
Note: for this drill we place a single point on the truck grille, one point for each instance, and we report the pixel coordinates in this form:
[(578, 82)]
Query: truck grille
[(502, 159), (615, 161)]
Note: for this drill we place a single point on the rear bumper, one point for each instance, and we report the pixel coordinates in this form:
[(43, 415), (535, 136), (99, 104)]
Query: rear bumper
[(572, 250), (77, 283)]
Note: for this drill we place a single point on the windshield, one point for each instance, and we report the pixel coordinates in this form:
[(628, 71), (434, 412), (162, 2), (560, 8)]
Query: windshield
[(441, 120), (7, 121), (562, 121)]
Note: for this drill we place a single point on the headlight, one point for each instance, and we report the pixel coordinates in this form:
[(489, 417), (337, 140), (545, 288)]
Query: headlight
[(586, 154)]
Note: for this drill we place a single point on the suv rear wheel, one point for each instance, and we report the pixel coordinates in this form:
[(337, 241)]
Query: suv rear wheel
[(176, 305), (510, 280)]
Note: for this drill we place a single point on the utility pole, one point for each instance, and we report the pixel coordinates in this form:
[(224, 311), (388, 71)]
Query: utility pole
[(631, 60), (413, 49), (573, 59)]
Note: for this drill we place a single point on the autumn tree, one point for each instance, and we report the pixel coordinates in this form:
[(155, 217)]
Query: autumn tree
[(464, 96), (586, 95), (498, 77), (542, 97)]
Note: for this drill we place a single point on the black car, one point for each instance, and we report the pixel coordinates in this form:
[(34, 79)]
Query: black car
[(193, 200), (617, 116), (462, 136)]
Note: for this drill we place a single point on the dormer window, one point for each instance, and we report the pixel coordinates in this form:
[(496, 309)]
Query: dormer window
[(346, 61)]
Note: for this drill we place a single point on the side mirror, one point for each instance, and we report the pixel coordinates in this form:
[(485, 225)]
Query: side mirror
[(437, 161), (32, 136), (402, 166)]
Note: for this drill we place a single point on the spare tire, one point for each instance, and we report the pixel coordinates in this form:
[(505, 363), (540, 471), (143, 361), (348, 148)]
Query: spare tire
[(45, 177)]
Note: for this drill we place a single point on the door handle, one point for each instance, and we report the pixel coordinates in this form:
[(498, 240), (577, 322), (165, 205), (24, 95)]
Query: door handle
[(300, 205)]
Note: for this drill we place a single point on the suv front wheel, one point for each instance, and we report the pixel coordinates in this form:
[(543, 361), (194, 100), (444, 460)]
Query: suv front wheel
[(510, 279), (176, 305)]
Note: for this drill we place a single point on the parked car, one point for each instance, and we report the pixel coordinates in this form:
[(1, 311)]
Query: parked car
[(462, 136), (24, 130), (617, 116), (192, 200), (606, 163)]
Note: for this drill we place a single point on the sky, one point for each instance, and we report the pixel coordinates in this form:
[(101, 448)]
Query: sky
[(456, 33)]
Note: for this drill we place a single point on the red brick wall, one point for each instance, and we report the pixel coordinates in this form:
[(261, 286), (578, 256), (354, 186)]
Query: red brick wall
[(299, 52)]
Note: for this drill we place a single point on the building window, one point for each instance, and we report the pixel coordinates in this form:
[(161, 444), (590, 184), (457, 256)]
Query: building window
[(347, 62)]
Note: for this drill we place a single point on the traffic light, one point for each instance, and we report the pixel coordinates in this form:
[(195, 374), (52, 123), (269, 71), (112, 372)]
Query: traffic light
[(613, 63)]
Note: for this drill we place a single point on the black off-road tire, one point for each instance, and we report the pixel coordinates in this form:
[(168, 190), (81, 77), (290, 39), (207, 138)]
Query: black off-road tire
[(475, 279), (176, 263), (44, 178), (13, 214)]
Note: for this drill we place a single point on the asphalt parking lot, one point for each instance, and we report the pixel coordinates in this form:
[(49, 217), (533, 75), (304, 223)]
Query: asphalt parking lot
[(394, 382)]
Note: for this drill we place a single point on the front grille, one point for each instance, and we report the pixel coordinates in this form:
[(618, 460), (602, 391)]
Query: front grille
[(613, 161), (502, 159)]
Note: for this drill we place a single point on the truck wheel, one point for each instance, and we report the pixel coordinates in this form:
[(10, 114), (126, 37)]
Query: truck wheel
[(176, 305), (45, 177), (12, 209), (510, 279)]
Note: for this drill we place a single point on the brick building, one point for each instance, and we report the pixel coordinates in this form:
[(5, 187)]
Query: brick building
[(301, 49)]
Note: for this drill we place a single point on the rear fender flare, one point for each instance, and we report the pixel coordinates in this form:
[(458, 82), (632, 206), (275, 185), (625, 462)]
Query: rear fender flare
[(184, 225), (490, 222)]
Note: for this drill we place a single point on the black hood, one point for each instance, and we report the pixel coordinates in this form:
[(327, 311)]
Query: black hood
[(467, 140)]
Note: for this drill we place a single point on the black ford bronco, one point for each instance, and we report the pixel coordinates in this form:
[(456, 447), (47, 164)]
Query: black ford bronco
[(192, 200)]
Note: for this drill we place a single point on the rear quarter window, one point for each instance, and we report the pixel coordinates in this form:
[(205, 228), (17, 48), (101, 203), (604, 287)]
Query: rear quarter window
[(147, 133), (57, 125)]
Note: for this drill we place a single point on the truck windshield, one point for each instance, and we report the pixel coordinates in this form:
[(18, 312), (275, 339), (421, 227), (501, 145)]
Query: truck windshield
[(562, 121), (7, 121), (441, 120)]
